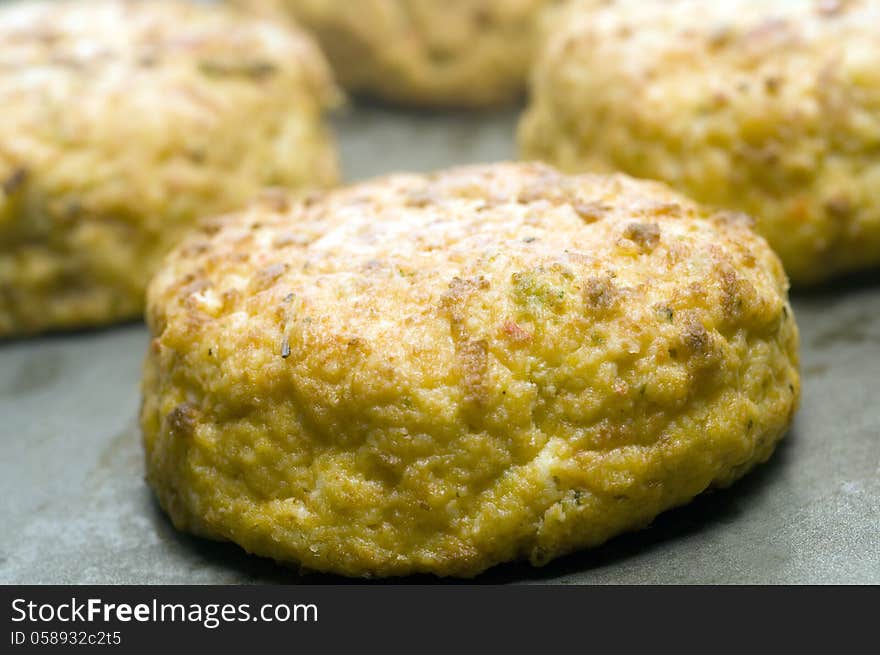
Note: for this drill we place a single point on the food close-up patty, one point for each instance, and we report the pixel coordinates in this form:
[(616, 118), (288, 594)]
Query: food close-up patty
[(428, 53), (770, 107), (125, 122), (439, 373)]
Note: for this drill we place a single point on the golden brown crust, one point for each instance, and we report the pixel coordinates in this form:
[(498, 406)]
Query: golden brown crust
[(439, 373), (767, 106), (125, 121)]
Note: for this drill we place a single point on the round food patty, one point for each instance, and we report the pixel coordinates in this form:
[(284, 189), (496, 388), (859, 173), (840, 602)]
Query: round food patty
[(440, 373), (770, 107), (122, 122), (449, 53)]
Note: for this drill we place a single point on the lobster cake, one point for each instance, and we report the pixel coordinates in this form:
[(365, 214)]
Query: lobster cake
[(768, 107), (439, 373), (123, 123)]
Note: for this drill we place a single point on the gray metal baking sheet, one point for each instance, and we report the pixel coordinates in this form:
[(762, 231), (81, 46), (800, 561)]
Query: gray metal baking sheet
[(74, 507)]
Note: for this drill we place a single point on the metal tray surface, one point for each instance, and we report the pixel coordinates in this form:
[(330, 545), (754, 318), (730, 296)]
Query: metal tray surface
[(75, 508)]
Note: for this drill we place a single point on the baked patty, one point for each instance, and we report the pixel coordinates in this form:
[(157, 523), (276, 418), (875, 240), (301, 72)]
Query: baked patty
[(440, 373), (122, 123), (428, 53), (770, 107)]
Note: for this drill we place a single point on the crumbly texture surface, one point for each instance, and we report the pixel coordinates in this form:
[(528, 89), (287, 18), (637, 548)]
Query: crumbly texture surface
[(441, 373), (124, 122), (767, 106), (431, 53)]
